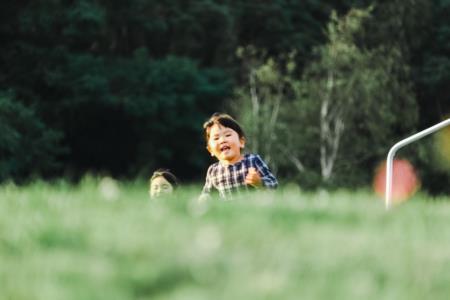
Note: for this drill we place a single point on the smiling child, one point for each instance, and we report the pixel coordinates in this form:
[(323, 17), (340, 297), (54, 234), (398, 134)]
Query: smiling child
[(234, 171)]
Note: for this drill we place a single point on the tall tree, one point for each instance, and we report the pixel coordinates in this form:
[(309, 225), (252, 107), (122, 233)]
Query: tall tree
[(341, 113), (359, 93)]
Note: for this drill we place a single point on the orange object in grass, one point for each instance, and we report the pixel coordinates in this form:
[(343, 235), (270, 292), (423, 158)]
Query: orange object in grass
[(405, 182)]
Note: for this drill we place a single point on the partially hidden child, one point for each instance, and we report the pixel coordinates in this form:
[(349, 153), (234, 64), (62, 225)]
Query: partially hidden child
[(162, 183)]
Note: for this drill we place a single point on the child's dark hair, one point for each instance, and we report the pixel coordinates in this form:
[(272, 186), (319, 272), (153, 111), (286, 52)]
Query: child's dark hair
[(224, 120), (167, 176)]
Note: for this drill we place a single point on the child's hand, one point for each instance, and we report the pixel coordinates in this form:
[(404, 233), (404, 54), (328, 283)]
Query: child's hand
[(253, 178)]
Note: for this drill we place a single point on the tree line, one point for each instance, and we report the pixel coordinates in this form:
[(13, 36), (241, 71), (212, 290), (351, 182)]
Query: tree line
[(122, 87)]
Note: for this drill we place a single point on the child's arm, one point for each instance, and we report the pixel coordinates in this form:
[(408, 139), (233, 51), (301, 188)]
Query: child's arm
[(267, 178)]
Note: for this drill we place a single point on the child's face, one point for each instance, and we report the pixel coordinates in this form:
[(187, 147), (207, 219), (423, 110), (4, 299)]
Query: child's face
[(225, 144), (160, 187)]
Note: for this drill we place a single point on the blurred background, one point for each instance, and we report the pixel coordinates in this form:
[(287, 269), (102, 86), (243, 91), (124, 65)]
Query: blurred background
[(323, 88)]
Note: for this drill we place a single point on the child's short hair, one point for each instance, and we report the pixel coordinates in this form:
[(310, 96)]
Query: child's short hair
[(224, 120), (167, 176)]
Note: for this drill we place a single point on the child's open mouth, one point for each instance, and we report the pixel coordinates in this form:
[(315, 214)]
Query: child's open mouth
[(224, 148)]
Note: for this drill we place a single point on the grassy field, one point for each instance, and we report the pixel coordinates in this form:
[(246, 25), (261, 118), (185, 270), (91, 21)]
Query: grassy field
[(101, 241)]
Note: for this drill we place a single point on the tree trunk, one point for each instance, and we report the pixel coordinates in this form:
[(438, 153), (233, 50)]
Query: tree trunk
[(331, 130)]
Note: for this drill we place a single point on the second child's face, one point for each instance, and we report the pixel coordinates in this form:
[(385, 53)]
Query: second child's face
[(225, 144), (160, 187)]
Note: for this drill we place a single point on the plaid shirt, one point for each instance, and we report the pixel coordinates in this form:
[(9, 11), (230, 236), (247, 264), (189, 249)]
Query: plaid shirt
[(230, 179)]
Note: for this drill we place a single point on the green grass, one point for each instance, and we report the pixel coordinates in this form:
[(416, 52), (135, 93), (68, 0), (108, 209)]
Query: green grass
[(77, 242)]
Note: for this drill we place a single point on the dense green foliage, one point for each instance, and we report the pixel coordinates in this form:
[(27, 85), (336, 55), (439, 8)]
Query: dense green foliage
[(347, 91), (64, 242), (359, 84), (25, 142), (122, 87)]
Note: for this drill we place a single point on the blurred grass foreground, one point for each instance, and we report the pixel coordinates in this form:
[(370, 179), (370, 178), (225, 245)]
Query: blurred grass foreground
[(94, 242)]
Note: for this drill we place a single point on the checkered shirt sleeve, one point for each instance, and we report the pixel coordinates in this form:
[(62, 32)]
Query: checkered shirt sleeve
[(267, 177)]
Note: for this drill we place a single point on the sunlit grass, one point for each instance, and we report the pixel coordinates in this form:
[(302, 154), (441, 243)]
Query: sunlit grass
[(59, 241)]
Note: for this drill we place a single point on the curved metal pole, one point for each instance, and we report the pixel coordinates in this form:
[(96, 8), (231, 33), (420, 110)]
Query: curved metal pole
[(396, 147)]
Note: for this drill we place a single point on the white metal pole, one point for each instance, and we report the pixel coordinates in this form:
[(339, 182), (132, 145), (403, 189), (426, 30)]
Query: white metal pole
[(396, 147)]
